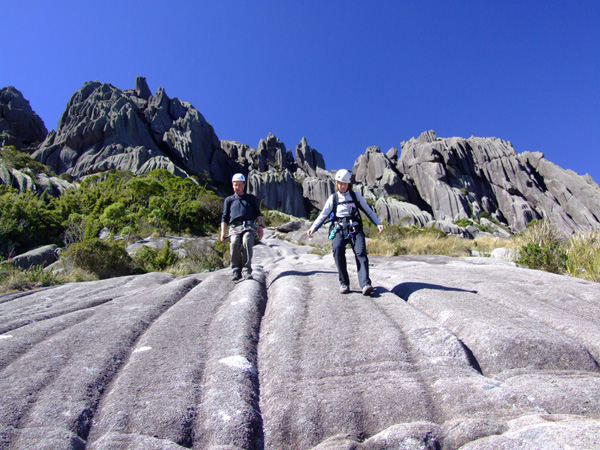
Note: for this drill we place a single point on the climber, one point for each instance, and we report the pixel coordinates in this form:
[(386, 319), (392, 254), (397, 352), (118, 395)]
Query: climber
[(241, 212), (346, 226)]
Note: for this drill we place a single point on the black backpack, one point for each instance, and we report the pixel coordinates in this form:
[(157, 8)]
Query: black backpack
[(355, 211)]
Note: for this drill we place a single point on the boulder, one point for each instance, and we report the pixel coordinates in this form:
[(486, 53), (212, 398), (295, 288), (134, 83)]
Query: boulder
[(19, 124), (318, 190), (460, 178), (27, 180), (397, 212), (278, 190), (41, 256)]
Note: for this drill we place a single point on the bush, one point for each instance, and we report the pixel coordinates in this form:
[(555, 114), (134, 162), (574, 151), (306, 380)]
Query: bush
[(207, 256), (105, 259), (26, 220), (542, 247), (15, 159), (11, 278), (152, 260)]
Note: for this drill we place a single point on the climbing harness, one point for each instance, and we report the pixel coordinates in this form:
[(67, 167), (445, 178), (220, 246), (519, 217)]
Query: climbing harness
[(352, 223), (247, 225)]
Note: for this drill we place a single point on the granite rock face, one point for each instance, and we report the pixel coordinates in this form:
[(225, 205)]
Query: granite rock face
[(485, 356), (105, 128), (281, 182), (27, 180), (461, 178), (19, 124), (429, 180)]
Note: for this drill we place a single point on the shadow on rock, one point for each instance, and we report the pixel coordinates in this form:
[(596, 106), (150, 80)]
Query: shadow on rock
[(291, 273), (405, 290)]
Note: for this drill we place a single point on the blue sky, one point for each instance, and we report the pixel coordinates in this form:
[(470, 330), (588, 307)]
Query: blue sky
[(344, 74)]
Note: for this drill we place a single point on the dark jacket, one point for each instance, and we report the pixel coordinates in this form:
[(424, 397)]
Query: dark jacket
[(238, 209)]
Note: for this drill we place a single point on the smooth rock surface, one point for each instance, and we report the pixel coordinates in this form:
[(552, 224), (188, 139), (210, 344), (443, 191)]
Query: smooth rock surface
[(448, 354)]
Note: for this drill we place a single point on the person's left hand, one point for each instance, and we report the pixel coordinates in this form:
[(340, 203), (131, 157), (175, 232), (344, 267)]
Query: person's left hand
[(260, 232), (380, 228)]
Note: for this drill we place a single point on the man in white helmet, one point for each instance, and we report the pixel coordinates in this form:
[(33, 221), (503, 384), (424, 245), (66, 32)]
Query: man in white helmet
[(346, 226), (241, 212)]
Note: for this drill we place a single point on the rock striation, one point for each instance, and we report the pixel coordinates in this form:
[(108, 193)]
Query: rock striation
[(429, 181), (486, 356), (19, 124), (456, 178), (292, 186), (106, 128), (27, 180)]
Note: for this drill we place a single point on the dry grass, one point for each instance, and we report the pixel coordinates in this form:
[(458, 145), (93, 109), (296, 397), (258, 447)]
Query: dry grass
[(583, 256), (487, 244), (420, 244)]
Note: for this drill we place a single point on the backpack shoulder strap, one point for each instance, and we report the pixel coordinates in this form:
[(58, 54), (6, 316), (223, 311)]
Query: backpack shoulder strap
[(358, 205)]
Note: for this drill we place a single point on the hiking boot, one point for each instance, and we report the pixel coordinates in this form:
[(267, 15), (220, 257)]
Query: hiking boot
[(248, 276), (367, 290), (344, 289), (236, 276)]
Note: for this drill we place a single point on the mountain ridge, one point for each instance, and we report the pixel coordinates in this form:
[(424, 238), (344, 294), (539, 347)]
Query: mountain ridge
[(431, 181)]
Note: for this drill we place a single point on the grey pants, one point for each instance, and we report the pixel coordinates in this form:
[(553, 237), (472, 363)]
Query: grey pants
[(241, 249)]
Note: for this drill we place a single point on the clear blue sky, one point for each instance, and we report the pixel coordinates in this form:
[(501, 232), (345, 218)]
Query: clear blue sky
[(344, 74)]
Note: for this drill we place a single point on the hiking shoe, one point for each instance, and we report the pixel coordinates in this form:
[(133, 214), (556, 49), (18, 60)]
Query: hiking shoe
[(367, 290), (236, 276), (248, 276), (344, 289)]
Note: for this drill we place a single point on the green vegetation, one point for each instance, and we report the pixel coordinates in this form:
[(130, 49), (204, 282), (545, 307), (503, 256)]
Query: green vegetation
[(415, 241), (129, 206), (157, 202), (160, 203), (12, 158), (12, 278), (542, 247), (104, 259), (151, 260)]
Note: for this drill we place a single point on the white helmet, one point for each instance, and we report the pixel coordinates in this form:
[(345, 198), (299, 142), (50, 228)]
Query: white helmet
[(238, 177), (343, 175)]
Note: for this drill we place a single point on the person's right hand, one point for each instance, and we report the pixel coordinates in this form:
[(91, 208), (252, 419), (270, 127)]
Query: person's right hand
[(223, 237), (310, 233)]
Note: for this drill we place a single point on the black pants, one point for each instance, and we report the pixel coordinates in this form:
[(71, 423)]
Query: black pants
[(359, 247)]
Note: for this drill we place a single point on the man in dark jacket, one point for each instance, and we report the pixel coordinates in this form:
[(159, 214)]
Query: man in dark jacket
[(242, 213)]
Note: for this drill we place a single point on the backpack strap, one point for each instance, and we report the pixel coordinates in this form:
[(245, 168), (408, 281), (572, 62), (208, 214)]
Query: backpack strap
[(333, 215)]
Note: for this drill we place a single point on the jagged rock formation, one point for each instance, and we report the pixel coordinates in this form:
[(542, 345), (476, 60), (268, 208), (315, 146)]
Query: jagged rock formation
[(430, 182), (19, 124), (456, 178), (282, 183), (105, 128), (27, 180), (486, 356)]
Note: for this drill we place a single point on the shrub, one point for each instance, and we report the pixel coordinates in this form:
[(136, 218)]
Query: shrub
[(206, 255), (11, 278), (152, 260), (26, 220), (542, 247), (15, 159), (105, 259)]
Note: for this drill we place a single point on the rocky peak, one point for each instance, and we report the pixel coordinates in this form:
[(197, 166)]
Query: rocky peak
[(427, 136), (105, 128), (272, 152), (142, 89), (19, 124), (309, 159)]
